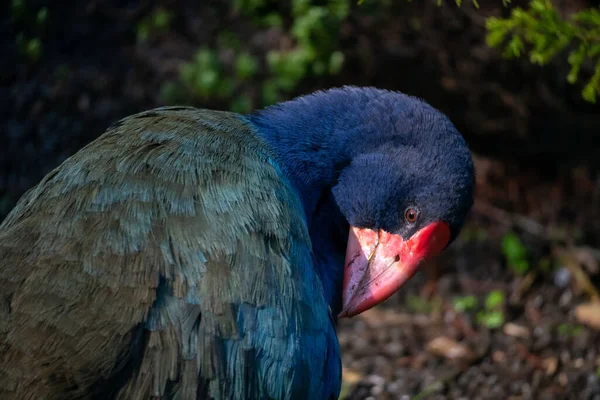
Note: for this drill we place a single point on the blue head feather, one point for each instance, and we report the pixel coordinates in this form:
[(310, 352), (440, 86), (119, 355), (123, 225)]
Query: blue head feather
[(361, 156)]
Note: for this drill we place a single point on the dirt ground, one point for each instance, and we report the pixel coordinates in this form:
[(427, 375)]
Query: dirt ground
[(426, 349), (540, 338)]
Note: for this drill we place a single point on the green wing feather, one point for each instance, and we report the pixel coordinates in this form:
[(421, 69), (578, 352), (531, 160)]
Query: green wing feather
[(168, 258)]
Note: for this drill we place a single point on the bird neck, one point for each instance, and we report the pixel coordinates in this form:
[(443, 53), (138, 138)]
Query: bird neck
[(311, 153), (307, 149)]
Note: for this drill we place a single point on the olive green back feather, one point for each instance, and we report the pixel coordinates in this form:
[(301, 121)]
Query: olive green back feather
[(167, 258)]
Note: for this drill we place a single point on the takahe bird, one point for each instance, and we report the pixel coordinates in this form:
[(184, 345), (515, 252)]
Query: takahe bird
[(192, 254)]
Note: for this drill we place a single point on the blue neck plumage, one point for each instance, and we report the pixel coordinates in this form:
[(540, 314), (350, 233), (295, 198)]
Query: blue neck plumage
[(302, 138)]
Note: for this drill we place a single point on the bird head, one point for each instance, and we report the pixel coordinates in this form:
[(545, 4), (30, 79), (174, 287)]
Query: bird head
[(405, 194), (400, 174)]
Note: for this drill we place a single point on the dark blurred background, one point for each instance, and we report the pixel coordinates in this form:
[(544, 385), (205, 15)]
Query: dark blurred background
[(511, 310)]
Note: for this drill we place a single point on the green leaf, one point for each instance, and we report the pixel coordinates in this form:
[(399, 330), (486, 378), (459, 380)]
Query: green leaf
[(336, 61), (541, 33), (495, 37), (569, 330), (491, 320), (17, 7), (512, 247), (589, 93), (33, 49), (520, 267), (339, 8), (592, 88), (248, 7), (205, 58), (515, 46), (206, 80), (143, 31), (494, 300), (300, 6), (273, 20), (465, 303), (576, 58), (594, 50), (161, 18), (540, 6), (246, 66), (41, 16)]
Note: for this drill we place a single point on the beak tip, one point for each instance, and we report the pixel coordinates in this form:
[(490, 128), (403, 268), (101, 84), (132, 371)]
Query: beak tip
[(345, 313)]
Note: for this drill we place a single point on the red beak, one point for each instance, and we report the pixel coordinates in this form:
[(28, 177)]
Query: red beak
[(379, 263)]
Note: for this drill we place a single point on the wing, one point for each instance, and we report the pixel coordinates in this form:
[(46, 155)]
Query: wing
[(168, 258)]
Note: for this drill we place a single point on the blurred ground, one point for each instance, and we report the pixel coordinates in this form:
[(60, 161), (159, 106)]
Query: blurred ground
[(426, 349), (502, 322)]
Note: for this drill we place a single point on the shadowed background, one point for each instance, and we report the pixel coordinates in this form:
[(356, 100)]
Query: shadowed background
[(509, 310)]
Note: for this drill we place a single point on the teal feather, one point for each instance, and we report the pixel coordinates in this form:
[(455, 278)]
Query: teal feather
[(170, 258)]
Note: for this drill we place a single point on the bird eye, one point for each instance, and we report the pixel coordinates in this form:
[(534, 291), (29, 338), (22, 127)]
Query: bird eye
[(410, 215)]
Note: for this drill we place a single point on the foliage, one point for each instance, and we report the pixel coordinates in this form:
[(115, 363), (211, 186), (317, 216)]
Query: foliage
[(314, 29), (158, 22), (313, 26), (541, 32), (458, 2), (569, 330), (492, 316), (515, 253), (31, 24), (30, 48), (465, 303), (206, 77)]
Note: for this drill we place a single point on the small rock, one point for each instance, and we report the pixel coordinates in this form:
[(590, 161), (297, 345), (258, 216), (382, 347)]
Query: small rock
[(515, 330), (562, 379), (550, 365), (499, 357), (565, 357), (361, 347), (589, 314), (450, 349), (375, 380), (565, 299), (562, 277), (376, 390), (543, 338), (393, 387), (351, 376), (538, 301), (393, 349)]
